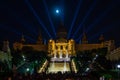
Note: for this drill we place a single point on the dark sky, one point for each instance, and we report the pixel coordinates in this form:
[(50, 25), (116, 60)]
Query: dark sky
[(29, 17)]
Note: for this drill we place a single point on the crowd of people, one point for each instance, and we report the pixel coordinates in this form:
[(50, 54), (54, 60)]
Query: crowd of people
[(48, 76)]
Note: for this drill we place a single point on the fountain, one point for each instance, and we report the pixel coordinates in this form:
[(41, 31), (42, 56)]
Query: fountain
[(65, 66), (58, 67), (60, 57), (66, 54), (54, 54), (60, 54), (53, 64), (60, 63)]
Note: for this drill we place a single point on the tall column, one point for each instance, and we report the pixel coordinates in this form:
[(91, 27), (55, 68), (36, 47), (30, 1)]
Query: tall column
[(66, 54), (64, 47), (54, 53), (60, 54)]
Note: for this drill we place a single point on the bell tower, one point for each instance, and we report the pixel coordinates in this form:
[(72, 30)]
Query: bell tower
[(61, 34), (22, 39), (84, 38), (39, 40), (101, 38)]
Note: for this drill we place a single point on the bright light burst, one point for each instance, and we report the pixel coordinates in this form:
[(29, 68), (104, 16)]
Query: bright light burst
[(57, 11)]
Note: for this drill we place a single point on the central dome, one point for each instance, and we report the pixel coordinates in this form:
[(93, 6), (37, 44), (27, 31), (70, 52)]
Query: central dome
[(61, 32)]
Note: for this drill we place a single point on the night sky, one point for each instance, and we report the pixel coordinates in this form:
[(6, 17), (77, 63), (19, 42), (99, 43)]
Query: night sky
[(30, 17)]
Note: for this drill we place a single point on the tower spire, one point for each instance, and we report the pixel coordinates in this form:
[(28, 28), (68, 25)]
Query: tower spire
[(22, 39), (101, 39), (84, 38), (39, 40)]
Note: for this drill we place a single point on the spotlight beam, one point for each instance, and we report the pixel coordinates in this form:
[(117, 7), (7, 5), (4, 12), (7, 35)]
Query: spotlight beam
[(62, 11), (46, 8), (26, 25), (104, 30), (23, 22), (37, 17), (17, 32), (9, 28), (75, 15), (100, 17), (79, 38), (87, 14)]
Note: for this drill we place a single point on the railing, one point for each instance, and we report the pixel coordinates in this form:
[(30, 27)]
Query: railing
[(43, 68), (73, 65)]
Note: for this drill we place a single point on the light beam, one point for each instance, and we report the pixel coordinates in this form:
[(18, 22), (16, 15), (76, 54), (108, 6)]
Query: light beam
[(47, 11), (27, 26), (17, 32), (104, 30), (73, 21), (87, 14), (100, 17), (57, 11), (37, 17)]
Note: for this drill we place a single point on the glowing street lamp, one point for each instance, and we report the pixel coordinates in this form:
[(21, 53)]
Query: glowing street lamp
[(27, 69), (118, 66), (23, 57)]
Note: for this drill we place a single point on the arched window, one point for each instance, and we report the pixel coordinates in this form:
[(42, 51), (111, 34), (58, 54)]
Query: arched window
[(56, 47), (66, 47), (61, 47)]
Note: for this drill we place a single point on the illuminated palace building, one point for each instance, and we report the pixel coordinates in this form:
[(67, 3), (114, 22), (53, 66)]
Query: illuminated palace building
[(61, 47)]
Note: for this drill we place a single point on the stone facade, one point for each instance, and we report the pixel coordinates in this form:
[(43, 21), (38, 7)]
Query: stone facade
[(62, 45), (114, 55)]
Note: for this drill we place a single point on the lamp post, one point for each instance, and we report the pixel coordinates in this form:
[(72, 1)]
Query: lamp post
[(23, 57), (118, 66)]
